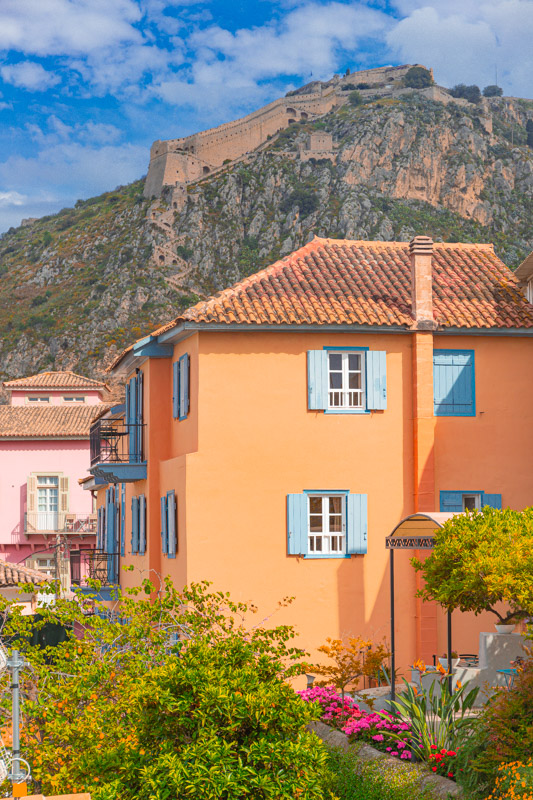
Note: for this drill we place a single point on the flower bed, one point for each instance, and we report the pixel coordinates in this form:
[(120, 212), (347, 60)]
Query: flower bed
[(366, 726)]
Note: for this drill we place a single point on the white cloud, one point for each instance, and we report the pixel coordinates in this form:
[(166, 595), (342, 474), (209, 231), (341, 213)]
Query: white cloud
[(67, 27), (465, 40), (12, 199), (233, 67), (29, 75)]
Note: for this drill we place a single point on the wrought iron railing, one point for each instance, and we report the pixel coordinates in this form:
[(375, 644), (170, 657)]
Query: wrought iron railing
[(94, 565), (59, 522), (116, 441)]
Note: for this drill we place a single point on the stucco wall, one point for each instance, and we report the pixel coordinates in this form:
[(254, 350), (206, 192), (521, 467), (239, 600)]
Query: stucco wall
[(18, 459)]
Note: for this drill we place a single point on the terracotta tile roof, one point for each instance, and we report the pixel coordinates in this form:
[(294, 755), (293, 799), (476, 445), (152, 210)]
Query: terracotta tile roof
[(331, 281), (52, 422), (55, 380), (338, 281), (11, 574)]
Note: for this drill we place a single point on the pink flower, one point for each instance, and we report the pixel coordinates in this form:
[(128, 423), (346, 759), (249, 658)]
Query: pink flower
[(378, 737)]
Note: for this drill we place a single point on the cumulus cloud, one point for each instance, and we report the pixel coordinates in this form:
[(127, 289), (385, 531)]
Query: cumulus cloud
[(12, 199), (29, 75), (67, 27), (232, 67), (465, 41)]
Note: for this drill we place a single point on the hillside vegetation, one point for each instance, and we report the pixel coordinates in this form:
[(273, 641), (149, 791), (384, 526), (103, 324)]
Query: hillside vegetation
[(77, 286)]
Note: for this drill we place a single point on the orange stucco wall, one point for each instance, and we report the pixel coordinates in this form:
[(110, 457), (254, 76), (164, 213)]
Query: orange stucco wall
[(249, 440)]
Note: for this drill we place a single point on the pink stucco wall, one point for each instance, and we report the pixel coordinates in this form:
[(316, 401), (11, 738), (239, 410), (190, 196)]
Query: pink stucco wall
[(19, 398), (18, 459)]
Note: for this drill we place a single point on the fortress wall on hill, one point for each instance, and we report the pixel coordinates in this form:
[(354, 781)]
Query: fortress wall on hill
[(189, 158)]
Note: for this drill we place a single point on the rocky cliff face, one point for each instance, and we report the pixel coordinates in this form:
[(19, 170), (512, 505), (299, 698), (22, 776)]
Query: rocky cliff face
[(77, 286)]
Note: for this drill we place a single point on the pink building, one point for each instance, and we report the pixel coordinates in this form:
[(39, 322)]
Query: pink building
[(47, 518)]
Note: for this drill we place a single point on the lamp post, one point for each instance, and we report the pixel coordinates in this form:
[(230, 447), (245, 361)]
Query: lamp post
[(15, 663)]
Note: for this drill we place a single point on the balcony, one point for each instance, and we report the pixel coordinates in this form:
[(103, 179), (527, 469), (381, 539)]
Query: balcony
[(117, 450), (94, 565), (47, 522)]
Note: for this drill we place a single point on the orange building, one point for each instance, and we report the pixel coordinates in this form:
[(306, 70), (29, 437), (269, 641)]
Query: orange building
[(275, 434)]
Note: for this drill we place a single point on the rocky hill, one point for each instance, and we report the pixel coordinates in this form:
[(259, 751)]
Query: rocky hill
[(77, 286)]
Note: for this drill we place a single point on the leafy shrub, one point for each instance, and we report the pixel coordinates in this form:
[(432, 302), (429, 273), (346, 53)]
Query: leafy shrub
[(417, 78), (363, 85), (305, 198), (529, 131), (492, 91), (355, 98), (176, 698), (352, 659), (470, 93), (184, 252), (47, 238)]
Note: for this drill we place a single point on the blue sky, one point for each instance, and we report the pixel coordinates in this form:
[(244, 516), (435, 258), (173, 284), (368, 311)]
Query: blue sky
[(87, 85)]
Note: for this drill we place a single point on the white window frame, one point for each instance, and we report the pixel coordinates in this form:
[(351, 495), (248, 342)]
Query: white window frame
[(74, 399), (327, 538), (472, 496), (39, 398), (346, 402), (529, 290)]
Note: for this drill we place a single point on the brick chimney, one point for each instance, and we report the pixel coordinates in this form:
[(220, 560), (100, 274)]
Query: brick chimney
[(421, 252)]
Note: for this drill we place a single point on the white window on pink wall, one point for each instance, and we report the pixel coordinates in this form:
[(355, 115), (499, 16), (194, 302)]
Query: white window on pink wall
[(47, 502)]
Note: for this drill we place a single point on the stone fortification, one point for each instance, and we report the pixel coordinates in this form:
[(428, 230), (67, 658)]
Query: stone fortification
[(177, 162)]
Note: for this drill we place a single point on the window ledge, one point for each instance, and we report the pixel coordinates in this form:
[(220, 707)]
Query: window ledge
[(346, 411), (314, 556)]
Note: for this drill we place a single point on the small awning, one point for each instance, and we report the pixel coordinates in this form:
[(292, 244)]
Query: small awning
[(417, 531)]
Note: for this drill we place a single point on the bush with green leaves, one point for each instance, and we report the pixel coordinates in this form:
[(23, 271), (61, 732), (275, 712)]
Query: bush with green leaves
[(179, 697), (355, 98), (492, 91), (470, 93), (417, 78)]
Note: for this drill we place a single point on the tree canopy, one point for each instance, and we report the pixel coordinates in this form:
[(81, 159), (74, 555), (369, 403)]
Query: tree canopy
[(470, 93), (492, 91), (417, 78), (482, 558)]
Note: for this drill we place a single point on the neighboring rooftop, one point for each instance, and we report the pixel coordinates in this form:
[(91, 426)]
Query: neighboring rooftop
[(12, 574), (47, 422), (338, 281), (55, 380)]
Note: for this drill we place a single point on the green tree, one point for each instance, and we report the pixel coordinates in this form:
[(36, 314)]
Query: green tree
[(417, 78), (482, 558), (470, 93), (529, 131), (492, 91), (355, 98), (179, 697)]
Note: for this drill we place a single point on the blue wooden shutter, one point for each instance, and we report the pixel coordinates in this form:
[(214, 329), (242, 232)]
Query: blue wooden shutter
[(356, 523), (142, 524), (175, 390), (172, 525), (451, 501), (134, 524), (492, 500), (376, 379), (123, 519), (183, 386), (317, 379), (164, 528), (139, 418), (297, 524), (110, 520), (453, 383), (131, 419), (100, 524)]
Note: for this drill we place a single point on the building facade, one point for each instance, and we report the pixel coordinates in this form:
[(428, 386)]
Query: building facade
[(274, 435), (44, 447)]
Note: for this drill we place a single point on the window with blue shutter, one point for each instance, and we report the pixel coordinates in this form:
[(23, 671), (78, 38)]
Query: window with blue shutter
[(347, 380), (164, 526), (326, 524), (172, 525), (142, 524), (134, 417), (456, 501), (175, 390), (134, 525), (454, 383), (123, 519), (183, 385)]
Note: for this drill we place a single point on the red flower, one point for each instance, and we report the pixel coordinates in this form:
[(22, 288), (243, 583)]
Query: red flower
[(434, 769), (450, 774)]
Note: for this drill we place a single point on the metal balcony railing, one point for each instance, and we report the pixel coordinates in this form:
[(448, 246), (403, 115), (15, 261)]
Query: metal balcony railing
[(116, 441), (59, 522), (94, 564)]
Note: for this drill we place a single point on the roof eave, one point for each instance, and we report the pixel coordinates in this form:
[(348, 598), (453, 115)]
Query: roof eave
[(525, 270)]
